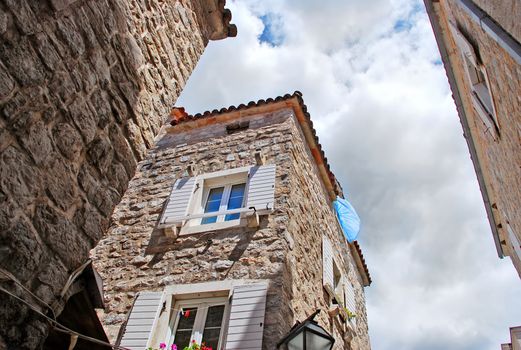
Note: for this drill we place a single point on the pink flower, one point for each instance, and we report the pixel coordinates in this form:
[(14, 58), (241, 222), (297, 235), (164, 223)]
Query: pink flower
[(173, 347), (162, 346)]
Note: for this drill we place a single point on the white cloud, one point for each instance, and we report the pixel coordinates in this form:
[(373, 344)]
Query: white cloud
[(385, 116)]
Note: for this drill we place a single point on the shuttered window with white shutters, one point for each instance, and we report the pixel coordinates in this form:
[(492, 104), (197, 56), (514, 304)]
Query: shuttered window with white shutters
[(241, 190), (477, 75)]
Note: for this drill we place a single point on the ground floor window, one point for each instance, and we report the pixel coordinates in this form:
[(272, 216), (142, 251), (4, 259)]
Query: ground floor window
[(199, 320)]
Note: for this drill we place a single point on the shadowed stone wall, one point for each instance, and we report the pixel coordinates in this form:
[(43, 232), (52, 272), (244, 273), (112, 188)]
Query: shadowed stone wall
[(84, 88)]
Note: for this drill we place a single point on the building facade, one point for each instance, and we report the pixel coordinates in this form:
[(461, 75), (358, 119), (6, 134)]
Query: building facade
[(479, 42), (227, 236), (84, 88), (515, 339)]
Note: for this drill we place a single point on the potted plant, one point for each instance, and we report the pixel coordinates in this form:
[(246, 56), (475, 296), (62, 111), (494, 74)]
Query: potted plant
[(192, 346)]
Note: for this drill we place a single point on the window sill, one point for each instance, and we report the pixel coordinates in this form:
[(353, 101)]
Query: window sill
[(190, 230)]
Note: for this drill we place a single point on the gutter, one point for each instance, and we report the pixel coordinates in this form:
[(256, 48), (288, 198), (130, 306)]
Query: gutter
[(502, 37), (438, 34)]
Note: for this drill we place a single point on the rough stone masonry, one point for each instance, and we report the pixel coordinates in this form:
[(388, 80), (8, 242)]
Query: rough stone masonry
[(285, 249), (84, 87)]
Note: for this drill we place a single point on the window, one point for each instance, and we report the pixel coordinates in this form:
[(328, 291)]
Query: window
[(222, 314), (224, 198), (477, 77), (199, 320), (232, 194)]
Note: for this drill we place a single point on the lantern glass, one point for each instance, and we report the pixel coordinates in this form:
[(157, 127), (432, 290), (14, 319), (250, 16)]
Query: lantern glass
[(317, 342), (297, 343)]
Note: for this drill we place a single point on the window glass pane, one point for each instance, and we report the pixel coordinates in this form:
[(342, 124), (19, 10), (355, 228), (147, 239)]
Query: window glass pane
[(212, 204), (212, 326), (235, 201), (184, 329)]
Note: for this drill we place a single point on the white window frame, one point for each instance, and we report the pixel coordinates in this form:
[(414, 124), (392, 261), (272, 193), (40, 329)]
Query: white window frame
[(224, 199), (206, 182), (202, 305)]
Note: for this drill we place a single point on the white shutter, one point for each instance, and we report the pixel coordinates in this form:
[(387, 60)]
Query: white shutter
[(246, 324), (179, 200), (261, 188), (327, 262), (141, 320), (514, 241), (349, 291), (464, 45)]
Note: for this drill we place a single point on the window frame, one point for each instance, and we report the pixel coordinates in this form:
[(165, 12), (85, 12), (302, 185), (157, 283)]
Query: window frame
[(224, 178), (478, 81), (202, 305), (227, 188)]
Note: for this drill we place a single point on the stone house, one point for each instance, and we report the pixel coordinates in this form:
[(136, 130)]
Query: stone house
[(515, 339), (227, 235), (479, 42), (85, 86)]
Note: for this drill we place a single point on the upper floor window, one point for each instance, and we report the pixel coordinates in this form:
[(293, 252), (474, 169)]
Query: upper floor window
[(481, 95), (220, 199)]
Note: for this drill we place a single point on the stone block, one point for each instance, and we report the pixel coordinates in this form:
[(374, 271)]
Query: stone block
[(61, 184), (122, 149), (61, 235), (71, 35), (7, 84), (24, 249), (38, 143), (19, 179), (47, 51), (84, 120), (25, 18), (60, 5), (68, 140), (91, 222), (23, 63), (100, 153)]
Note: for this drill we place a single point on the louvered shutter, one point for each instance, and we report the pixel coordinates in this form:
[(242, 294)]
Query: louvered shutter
[(464, 45), (141, 320), (261, 188), (327, 262), (177, 206), (246, 324), (349, 291)]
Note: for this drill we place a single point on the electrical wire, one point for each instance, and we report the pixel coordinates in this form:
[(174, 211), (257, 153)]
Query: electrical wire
[(15, 280), (61, 328)]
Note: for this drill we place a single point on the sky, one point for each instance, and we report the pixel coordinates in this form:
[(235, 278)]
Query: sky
[(372, 79)]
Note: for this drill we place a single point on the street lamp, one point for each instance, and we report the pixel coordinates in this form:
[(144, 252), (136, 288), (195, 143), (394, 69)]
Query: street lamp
[(307, 335)]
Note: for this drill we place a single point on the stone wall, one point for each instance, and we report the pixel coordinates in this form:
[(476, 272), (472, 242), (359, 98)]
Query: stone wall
[(84, 88), (286, 249), (506, 13), (499, 154)]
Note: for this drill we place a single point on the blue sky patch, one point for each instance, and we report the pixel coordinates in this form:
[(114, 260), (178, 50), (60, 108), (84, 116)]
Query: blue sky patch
[(271, 34), (402, 24)]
